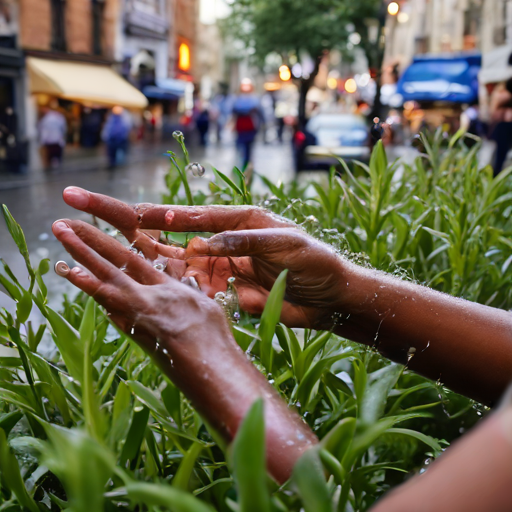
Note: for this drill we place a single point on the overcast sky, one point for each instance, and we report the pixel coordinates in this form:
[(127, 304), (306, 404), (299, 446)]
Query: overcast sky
[(211, 10)]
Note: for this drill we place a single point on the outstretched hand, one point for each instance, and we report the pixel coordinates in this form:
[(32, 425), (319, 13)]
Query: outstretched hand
[(251, 244)]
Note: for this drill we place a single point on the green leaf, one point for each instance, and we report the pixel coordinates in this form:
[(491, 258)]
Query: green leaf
[(314, 374), (148, 398), (428, 440), (24, 307), (249, 465), (8, 421), (305, 359), (159, 495), (309, 478), (19, 239), (135, 436), (230, 183), (270, 318), (10, 472), (338, 440), (375, 396), (90, 402), (68, 342), (182, 478)]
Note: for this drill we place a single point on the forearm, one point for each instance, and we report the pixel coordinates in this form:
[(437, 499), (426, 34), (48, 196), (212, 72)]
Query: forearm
[(467, 346), (222, 384), (473, 475)]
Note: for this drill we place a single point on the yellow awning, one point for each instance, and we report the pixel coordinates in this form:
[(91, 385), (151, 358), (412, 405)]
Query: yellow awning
[(85, 83)]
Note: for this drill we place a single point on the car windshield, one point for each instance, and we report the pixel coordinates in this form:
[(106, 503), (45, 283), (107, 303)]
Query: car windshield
[(336, 131)]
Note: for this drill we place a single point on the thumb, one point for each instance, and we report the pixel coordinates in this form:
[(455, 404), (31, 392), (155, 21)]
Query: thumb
[(234, 243)]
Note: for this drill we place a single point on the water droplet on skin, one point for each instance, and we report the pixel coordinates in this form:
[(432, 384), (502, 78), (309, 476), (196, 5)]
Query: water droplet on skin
[(159, 266), (157, 346), (196, 169), (132, 330), (165, 352), (410, 354), (290, 443)]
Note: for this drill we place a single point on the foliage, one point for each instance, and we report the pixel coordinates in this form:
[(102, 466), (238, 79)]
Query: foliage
[(98, 427), (307, 28)]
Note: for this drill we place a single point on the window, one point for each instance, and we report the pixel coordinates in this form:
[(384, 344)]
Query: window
[(59, 25), (97, 26)]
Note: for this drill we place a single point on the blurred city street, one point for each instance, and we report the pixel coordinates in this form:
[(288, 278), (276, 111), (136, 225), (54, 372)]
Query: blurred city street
[(36, 201)]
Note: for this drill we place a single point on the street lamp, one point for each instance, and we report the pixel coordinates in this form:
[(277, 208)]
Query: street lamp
[(393, 8)]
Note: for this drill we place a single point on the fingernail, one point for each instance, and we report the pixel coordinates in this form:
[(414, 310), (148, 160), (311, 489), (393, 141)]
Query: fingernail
[(61, 268), (76, 197), (59, 226)]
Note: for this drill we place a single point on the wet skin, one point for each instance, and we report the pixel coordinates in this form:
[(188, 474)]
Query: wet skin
[(467, 345)]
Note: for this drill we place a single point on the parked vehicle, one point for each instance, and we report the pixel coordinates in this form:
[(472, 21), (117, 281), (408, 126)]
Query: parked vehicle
[(329, 137)]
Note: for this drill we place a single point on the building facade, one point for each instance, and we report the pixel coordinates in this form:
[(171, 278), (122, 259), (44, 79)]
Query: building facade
[(446, 26)]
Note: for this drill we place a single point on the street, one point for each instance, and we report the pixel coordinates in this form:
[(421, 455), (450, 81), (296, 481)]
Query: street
[(37, 202)]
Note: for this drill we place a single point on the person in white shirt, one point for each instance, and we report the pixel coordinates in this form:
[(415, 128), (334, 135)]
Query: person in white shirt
[(52, 130)]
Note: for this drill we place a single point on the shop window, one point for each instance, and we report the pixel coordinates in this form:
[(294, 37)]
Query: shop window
[(97, 26), (59, 25)]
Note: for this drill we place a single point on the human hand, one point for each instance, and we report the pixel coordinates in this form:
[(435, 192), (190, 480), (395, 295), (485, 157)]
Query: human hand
[(188, 336), (149, 305), (253, 245)]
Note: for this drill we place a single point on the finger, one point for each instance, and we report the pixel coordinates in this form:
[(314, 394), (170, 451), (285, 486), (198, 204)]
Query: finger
[(81, 252), (247, 243), (208, 219), (105, 294), (116, 253)]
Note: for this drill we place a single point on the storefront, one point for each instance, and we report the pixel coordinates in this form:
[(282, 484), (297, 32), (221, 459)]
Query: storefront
[(83, 92), (13, 151), (439, 86)]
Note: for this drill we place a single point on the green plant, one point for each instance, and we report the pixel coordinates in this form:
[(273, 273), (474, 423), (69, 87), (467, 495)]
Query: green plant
[(98, 427)]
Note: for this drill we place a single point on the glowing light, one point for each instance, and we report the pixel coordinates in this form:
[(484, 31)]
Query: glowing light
[(393, 8), (184, 57), (402, 17), (350, 86), (284, 73), (332, 83)]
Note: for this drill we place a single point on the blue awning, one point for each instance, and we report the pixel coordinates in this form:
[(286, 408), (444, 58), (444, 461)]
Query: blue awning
[(166, 89), (438, 78)]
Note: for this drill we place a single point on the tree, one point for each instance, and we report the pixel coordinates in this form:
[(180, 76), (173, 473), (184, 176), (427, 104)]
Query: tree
[(294, 27)]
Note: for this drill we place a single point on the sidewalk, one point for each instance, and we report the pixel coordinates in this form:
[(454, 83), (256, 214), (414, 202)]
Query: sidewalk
[(77, 159)]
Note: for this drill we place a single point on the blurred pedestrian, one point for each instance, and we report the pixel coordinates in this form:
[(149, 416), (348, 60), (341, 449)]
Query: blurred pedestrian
[(501, 123), (220, 110), (248, 117), (52, 129), (116, 133), (203, 123)]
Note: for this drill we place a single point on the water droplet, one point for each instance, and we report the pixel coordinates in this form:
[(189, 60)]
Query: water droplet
[(290, 443), (157, 346), (165, 352), (410, 354), (159, 266), (196, 169), (178, 135), (132, 330), (231, 280)]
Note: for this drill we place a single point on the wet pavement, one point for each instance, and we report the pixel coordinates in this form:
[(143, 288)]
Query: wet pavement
[(36, 201)]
